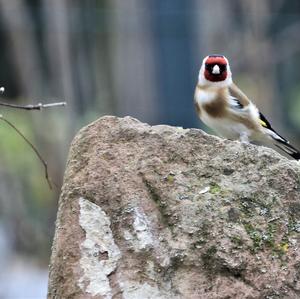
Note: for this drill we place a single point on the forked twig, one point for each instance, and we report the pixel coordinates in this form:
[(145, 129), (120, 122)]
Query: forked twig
[(39, 106), (33, 148)]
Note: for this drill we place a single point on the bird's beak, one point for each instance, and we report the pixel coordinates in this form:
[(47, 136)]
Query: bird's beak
[(216, 70)]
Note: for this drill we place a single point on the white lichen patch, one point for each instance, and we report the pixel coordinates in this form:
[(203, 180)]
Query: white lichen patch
[(99, 253), (141, 236), (142, 229), (204, 190)]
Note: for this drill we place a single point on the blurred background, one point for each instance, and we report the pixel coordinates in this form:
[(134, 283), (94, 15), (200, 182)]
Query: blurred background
[(120, 57)]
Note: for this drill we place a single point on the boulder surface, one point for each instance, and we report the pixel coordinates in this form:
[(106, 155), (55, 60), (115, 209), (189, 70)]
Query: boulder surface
[(160, 212)]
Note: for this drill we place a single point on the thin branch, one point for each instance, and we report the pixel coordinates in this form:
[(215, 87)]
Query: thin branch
[(38, 106), (33, 148)]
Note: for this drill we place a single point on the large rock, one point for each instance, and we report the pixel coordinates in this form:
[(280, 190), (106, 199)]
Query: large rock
[(162, 212)]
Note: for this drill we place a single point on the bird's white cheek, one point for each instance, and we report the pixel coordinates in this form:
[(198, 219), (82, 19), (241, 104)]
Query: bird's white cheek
[(204, 97)]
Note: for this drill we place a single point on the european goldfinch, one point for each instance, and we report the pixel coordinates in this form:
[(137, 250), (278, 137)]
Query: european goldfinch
[(223, 107)]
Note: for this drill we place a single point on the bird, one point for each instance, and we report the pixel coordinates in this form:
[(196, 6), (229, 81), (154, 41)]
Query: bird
[(223, 107)]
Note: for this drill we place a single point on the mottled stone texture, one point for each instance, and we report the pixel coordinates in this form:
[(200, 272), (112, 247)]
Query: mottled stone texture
[(162, 212)]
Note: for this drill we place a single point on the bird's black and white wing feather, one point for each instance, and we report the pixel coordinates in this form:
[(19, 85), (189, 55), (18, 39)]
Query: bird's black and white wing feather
[(280, 142), (235, 104)]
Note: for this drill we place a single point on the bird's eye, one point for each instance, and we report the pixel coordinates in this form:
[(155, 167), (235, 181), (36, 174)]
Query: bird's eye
[(223, 67), (207, 66)]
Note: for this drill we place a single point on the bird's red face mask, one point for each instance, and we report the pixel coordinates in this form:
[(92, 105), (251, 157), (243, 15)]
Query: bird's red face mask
[(215, 68)]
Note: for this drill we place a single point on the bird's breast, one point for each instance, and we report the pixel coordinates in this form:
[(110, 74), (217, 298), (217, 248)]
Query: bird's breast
[(225, 127), (211, 102)]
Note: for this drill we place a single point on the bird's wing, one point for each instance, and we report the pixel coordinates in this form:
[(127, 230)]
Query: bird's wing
[(240, 104), (236, 93)]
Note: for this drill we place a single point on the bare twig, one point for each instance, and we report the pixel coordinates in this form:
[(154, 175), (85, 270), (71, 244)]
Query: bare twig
[(33, 148), (39, 106)]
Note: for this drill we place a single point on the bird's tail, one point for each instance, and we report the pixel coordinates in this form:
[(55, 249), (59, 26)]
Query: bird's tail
[(278, 140), (285, 146)]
